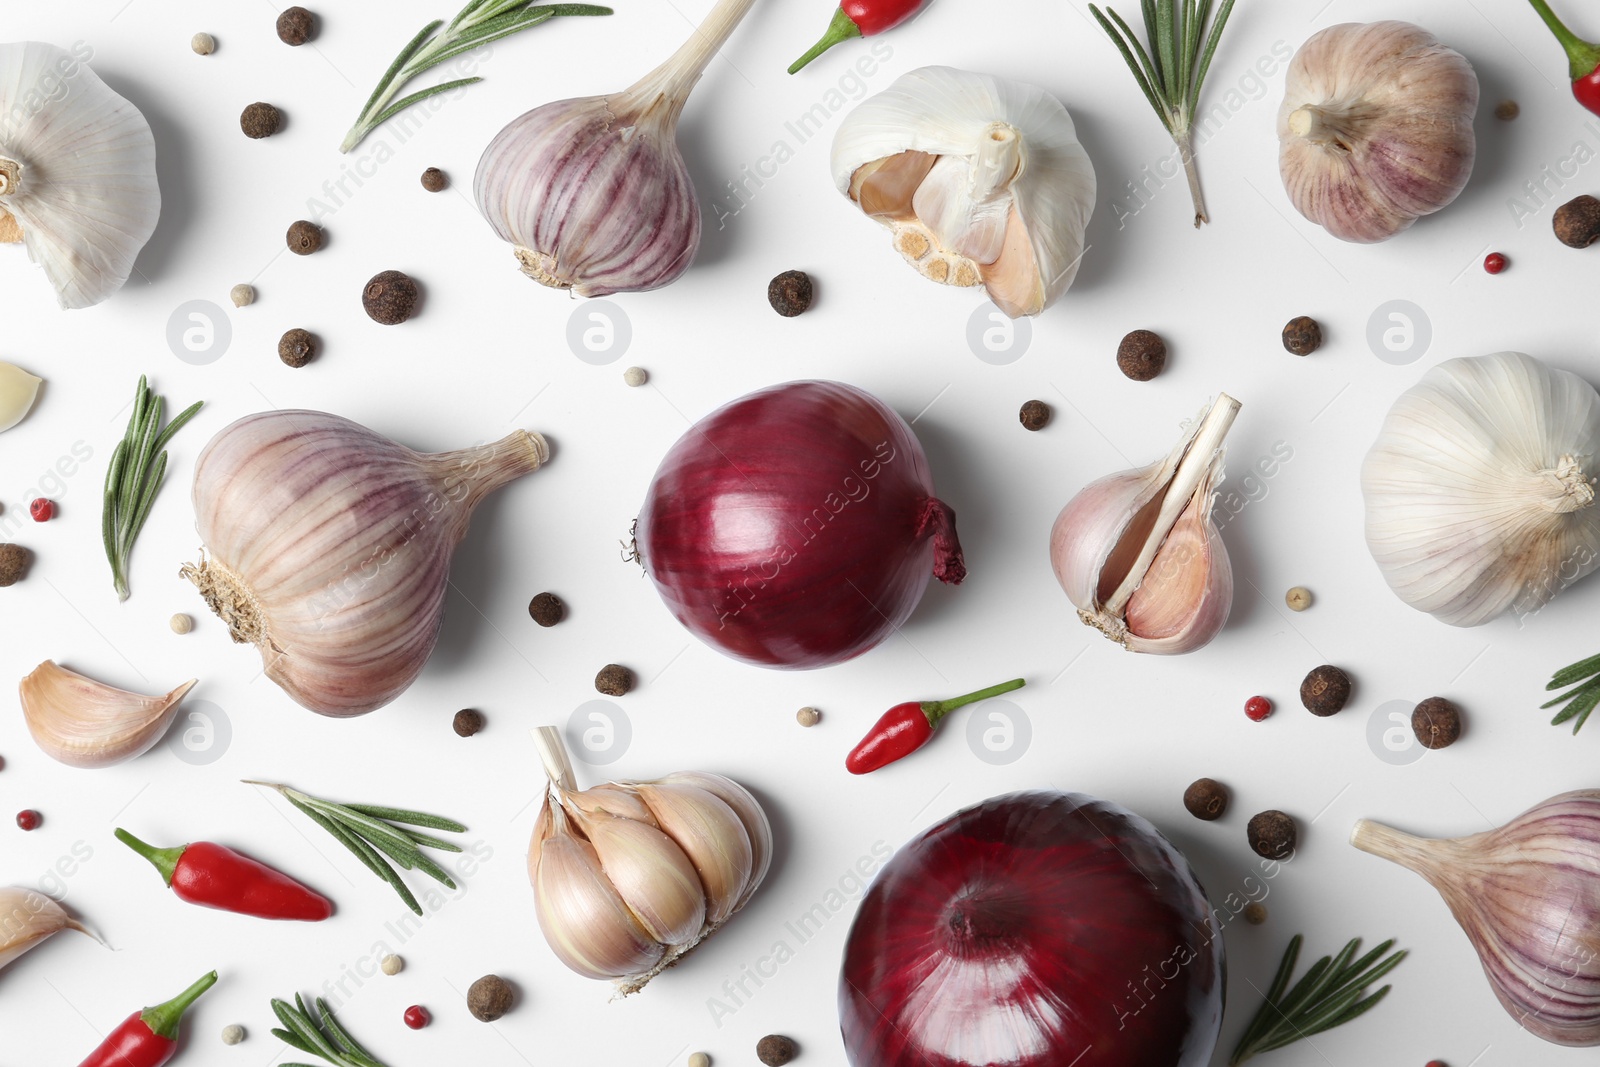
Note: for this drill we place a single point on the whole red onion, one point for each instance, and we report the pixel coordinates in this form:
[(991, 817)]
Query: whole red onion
[(1036, 929), (796, 527)]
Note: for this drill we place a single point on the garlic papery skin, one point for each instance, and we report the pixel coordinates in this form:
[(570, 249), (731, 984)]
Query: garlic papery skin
[(625, 887), (27, 919), (328, 547), (1375, 128), (593, 193), (84, 723), (1480, 490), (981, 180), (1528, 897), (18, 390), (77, 172), (1137, 553)]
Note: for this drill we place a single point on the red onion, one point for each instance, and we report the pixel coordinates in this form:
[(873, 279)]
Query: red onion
[(1035, 929), (796, 527)]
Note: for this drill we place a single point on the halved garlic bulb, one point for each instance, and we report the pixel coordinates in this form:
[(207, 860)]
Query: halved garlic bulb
[(84, 723), (981, 180), (27, 919), (18, 389), (77, 172)]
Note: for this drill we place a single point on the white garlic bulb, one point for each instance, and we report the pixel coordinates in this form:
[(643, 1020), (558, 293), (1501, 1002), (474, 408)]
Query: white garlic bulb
[(981, 180), (77, 172), (18, 390), (1375, 128), (630, 876), (1480, 490), (27, 919), (84, 723)]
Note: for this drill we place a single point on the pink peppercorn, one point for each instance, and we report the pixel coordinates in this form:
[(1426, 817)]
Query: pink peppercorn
[(28, 819), (417, 1017), (1495, 262), (1257, 708), (42, 509)]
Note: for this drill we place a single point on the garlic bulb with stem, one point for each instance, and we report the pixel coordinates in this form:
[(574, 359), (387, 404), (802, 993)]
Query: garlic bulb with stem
[(628, 877), (1528, 897), (1375, 129), (77, 171), (27, 919), (593, 193), (1480, 490), (981, 180), (84, 723), (328, 547), (18, 390), (1137, 552)]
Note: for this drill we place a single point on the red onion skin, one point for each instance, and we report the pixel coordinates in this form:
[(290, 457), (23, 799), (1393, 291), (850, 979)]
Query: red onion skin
[(1036, 929), (796, 527)]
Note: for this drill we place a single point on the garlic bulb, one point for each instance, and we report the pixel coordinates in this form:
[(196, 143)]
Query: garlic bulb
[(593, 193), (1375, 128), (1480, 488), (981, 180), (1137, 553), (84, 723), (630, 876), (1528, 897), (27, 919), (330, 547), (18, 390), (77, 172)]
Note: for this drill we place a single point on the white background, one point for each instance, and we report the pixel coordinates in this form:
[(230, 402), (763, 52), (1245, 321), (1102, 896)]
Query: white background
[(488, 353)]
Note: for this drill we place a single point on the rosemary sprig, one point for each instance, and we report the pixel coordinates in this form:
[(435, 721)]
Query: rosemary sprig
[(323, 1036), (1330, 994), (1580, 701), (132, 479), (1173, 70), (373, 832), (477, 24)]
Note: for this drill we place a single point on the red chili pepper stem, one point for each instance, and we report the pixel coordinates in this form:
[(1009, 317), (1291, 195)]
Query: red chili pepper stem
[(165, 860), (938, 709), (841, 29), (1583, 57), (163, 1019)]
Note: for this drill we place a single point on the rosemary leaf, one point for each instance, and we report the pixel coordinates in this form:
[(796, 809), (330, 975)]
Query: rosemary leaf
[(1581, 700), (1332, 992), (319, 1034), (428, 841), (417, 97), (134, 477), (410, 818)]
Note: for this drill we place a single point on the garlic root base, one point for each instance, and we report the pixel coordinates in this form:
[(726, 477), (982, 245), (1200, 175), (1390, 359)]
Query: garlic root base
[(231, 600), (541, 267), (913, 241)]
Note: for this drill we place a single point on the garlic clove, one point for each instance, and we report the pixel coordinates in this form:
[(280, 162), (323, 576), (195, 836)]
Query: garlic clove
[(750, 813), (613, 798), (885, 187), (84, 723), (710, 834), (650, 873), (1187, 594), (18, 388), (27, 919)]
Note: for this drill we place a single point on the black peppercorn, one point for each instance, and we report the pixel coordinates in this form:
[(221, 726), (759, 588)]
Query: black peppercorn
[(1577, 222), (1142, 355), (467, 722), (1302, 336), (433, 180), (1436, 722), (1325, 690), (304, 237), (1206, 799), (389, 297), (1272, 835), (13, 564), (614, 680), (790, 293), (489, 998), (547, 609), (295, 26), (260, 120), (1034, 415), (775, 1050), (297, 348)]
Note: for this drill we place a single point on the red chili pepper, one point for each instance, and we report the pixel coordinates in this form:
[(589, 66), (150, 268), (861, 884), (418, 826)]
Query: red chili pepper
[(906, 727), (861, 18), (1583, 58), (148, 1038), (217, 877)]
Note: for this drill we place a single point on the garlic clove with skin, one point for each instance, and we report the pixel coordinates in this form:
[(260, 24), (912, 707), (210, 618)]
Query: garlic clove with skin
[(711, 836), (651, 875), (84, 723), (27, 919), (748, 809)]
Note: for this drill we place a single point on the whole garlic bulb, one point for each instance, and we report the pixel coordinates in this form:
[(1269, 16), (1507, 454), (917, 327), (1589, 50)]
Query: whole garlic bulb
[(1480, 489), (330, 547), (77, 172), (1375, 128), (981, 180), (630, 876)]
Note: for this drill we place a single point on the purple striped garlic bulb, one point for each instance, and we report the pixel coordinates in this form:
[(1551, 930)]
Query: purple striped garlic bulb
[(592, 192), (328, 547), (1528, 897)]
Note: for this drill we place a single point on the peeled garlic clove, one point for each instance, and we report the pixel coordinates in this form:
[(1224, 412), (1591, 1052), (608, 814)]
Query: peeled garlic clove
[(710, 834), (651, 875), (750, 814), (84, 723), (27, 919), (1375, 128), (18, 390)]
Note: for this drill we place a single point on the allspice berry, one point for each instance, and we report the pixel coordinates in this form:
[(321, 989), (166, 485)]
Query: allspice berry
[(775, 1050), (260, 120), (489, 998), (790, 293), (1436, 722), (1206, 798), (1272, 835), (1577, 222), (614, 680), (467, 722), (547, 609), (304, 237), (1035, 414), (389, 298), (295, 26), (433, 180), (297, 348), (1302, 336), (13, 563), (1142, 355), (1325, 690)]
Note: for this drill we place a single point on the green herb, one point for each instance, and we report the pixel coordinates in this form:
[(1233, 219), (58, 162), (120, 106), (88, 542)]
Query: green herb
[(1330, 994), (132, 480), (321, 1037), (477, 24), (368, 830), (1581, 700), (1173, 70)]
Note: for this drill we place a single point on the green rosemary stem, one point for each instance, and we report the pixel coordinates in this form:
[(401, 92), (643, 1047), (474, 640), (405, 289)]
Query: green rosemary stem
[(133, 478), (1332, 992), (1579, 701)]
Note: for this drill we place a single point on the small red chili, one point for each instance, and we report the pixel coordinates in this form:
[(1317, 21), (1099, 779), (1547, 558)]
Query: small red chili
[(1257, 708), (29, 819), (906, 727), (148, 1038), (417, 1017), (217, 877), (1495, 262), (860, 18), (1583, 58), (42, 509)]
